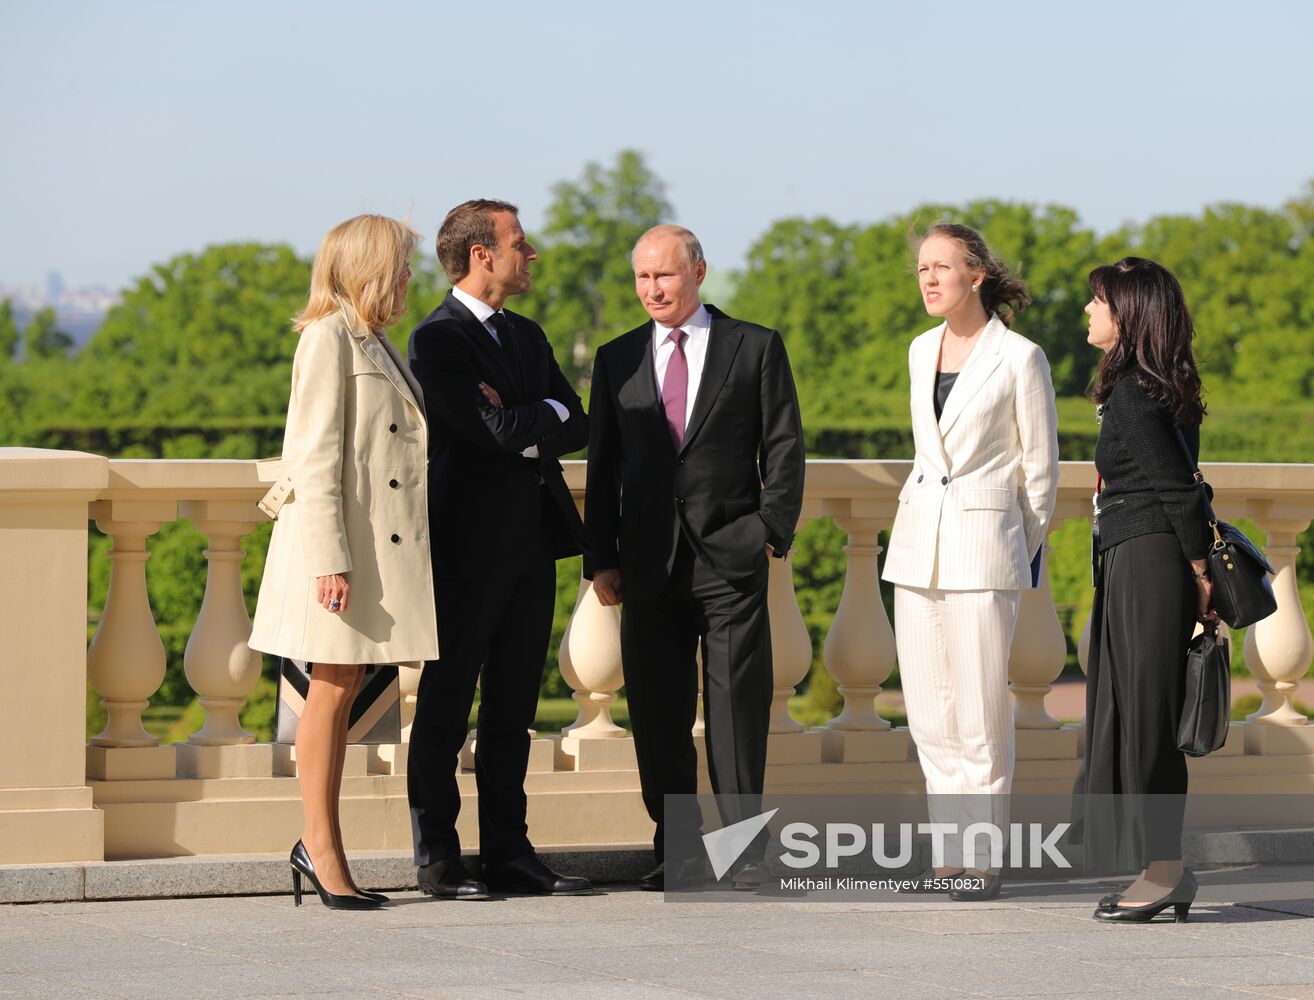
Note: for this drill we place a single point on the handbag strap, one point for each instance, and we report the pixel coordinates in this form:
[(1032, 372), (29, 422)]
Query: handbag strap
[(1200, 482)]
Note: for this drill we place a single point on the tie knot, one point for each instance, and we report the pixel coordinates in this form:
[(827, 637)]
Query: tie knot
[(500, 321), (677, 337)]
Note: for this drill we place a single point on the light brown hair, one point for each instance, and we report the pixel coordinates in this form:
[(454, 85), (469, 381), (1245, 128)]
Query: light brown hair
[(358, 268)]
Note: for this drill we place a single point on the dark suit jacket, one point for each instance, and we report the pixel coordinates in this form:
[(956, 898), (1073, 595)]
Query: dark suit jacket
[(735, 484), (483, 494)]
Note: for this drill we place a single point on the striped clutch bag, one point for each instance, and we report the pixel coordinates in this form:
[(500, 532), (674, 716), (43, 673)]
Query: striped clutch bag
[(375, 714)]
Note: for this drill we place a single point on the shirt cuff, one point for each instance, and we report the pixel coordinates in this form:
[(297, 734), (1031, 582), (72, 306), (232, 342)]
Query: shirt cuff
[(563, 414), (530, 452)]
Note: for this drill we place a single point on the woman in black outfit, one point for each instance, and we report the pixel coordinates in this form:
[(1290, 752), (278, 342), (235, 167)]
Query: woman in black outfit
[(1152, 585)]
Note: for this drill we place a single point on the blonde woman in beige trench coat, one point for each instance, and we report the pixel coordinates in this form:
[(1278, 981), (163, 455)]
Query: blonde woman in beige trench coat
[(348, 580)]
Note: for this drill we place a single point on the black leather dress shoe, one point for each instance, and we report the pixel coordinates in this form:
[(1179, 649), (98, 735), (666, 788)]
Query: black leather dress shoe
[(528, 874), (988, 889), (450, 879), (655, 880), (749, 877)]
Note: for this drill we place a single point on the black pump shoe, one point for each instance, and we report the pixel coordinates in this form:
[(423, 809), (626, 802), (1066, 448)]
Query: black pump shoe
[(378, 897), (302, 865), (1180, 899)]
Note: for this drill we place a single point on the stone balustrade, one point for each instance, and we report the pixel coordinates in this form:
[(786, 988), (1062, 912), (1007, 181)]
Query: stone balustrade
[(123, 795)]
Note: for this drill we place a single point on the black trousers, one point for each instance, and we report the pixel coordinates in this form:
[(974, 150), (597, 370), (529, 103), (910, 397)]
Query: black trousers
[(499, 623), (659, 642), (1134, 775)]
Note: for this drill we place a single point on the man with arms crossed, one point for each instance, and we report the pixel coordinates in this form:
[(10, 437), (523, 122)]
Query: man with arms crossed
[(501, 413), (695, 478)]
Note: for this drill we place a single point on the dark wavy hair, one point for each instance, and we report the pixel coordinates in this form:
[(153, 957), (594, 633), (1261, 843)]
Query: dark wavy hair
[(1002, 291), (1145, 300)]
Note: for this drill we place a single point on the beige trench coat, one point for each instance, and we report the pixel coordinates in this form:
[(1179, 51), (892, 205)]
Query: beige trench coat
[(356, 452)]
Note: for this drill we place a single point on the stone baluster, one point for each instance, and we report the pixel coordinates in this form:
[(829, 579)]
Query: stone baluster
[(791, 646), (221, 668), (1279, 648), (859, 650), (590, 659), (408, 686), (1038, 654), (125, 663)]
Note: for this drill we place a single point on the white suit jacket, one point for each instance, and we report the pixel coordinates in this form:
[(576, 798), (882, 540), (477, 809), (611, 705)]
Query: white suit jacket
[(975, 508), (356, 449)]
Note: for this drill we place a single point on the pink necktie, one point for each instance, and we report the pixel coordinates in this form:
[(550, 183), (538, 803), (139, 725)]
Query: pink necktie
[(675, 388)]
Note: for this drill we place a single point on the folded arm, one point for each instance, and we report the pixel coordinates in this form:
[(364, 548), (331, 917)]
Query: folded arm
[(451, 383)]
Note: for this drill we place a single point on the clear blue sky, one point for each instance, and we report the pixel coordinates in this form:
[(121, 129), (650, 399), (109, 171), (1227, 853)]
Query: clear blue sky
[(134, 130)]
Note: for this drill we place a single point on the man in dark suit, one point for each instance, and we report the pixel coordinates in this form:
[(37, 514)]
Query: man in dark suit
[(500, 514), (695, 478)]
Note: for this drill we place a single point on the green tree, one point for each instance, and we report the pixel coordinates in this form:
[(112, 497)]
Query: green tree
[(583, 291), (9, 333), (205, 334), (43, 338)]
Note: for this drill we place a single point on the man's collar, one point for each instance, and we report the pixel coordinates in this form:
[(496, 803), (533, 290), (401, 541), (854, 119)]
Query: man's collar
[(481, 309), (700, 322)]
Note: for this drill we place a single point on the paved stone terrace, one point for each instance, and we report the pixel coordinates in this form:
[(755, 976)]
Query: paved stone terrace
[(624, 943)]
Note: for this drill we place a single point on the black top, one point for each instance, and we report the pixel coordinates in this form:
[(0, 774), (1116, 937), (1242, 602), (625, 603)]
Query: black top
[(944, 384), (1148, 485)]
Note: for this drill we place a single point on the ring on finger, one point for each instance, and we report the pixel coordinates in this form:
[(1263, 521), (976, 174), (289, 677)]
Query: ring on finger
[(334, 604)]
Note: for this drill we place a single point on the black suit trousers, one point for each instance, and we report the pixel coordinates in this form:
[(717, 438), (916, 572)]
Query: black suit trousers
[(659, 642), (499, 623)]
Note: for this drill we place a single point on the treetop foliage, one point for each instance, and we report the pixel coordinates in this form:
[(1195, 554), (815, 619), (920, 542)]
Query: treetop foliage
[(205, 337)]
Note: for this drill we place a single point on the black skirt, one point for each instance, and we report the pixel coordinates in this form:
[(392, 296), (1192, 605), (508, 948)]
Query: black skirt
[(1134, 777)]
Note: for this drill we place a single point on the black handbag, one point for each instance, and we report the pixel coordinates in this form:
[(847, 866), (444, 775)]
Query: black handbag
[(1208, 703), (1242, 594)]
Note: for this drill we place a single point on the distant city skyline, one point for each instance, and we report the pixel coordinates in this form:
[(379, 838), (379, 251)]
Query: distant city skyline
[(140, 130)]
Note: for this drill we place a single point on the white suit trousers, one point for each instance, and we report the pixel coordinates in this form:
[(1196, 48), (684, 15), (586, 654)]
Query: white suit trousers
[(953, 648)]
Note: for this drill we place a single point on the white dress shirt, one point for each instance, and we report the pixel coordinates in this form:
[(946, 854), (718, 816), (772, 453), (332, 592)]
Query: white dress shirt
[(482, 311), (698, 328)]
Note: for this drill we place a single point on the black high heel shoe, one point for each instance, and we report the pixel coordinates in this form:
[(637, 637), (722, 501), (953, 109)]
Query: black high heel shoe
[(302, 865), (378, 897), (1180, 899)]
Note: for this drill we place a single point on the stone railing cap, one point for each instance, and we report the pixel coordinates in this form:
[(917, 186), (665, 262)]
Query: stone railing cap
[(46, 469)]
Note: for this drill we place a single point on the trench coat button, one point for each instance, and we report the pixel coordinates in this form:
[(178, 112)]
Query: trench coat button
[(919, 478), (394, 484), (397, 539), (944, 480), (392, 428), (679, 500)]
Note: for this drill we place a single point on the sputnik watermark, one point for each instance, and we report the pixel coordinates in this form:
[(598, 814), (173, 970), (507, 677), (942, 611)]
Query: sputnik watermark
[(725, 846), (850, 840)]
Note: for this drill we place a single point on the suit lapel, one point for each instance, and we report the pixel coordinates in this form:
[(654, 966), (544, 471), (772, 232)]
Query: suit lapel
[(981, 364), (722, 345), (923, 405), (515, 349), (638, 392), (483, 341)]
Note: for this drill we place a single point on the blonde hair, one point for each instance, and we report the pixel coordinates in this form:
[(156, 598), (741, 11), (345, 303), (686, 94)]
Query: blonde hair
[(358, 269)]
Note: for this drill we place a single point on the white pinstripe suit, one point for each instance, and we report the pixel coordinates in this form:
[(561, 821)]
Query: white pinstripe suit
[(971, 515)]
